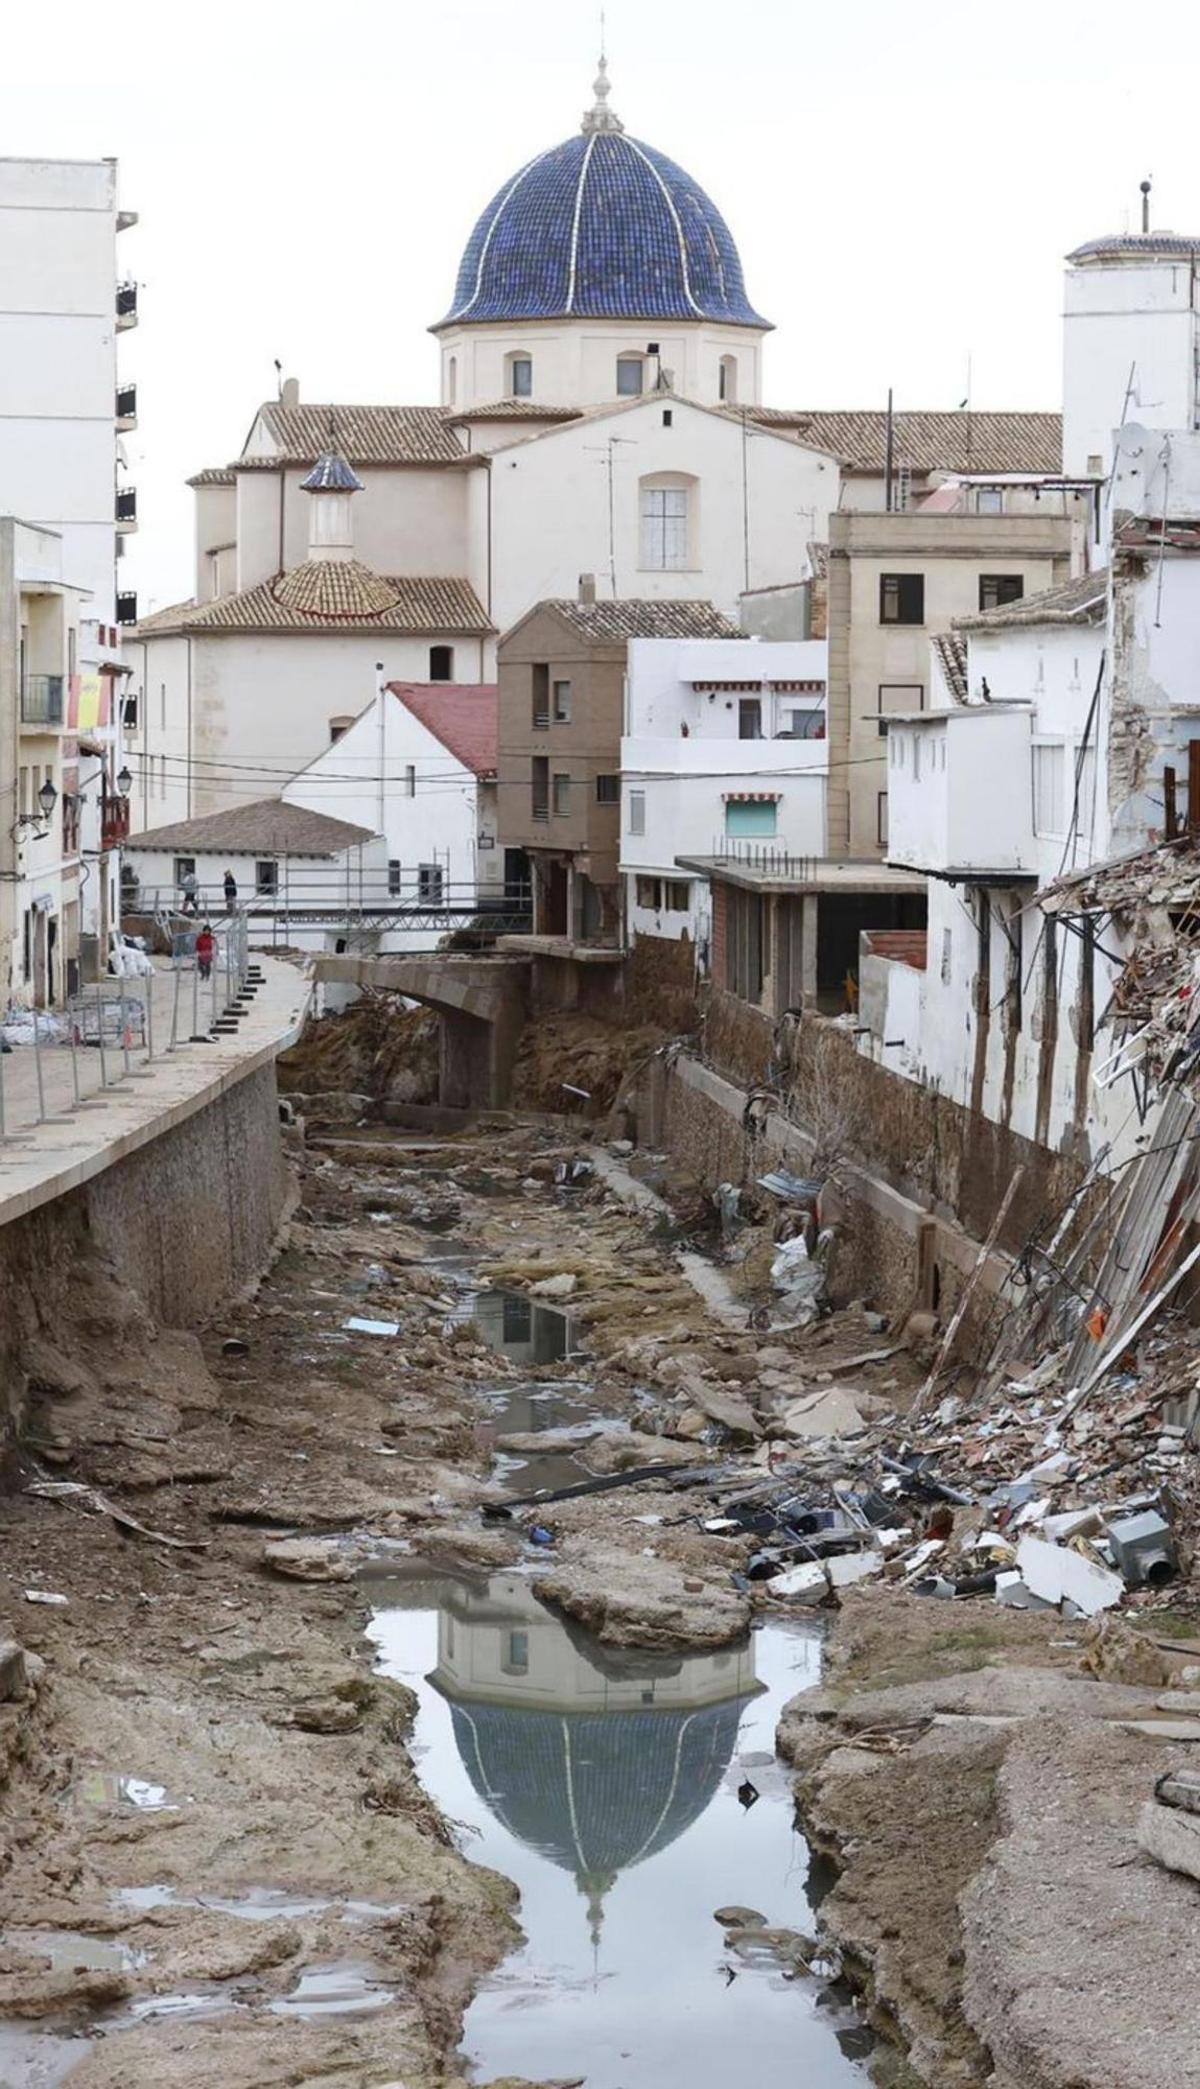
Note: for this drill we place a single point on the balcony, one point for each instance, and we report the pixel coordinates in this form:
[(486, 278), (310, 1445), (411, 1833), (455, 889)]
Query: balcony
[(126, 306), (126, 408), (126, 511), (960, 794), (42, 700), (127, 611), (114, 821)]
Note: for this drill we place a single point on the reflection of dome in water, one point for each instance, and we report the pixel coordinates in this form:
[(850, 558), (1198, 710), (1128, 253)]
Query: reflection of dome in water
[(596, 1793)]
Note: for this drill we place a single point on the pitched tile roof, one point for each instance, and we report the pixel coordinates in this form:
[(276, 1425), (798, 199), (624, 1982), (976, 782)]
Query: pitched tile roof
[(614, 622), (172, 618), (958, 442), (336, 595), (462, 715), (952, 655), (513, 410), (1079, 601), (270, 826), (363, 435), (214, 475)]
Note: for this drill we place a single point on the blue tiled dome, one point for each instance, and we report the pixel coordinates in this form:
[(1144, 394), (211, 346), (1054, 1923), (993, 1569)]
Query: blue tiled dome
[(601, 227)]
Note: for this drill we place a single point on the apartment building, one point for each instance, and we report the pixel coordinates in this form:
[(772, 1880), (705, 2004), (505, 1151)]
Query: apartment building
[(562, 672), (64, 303), (896, 580)]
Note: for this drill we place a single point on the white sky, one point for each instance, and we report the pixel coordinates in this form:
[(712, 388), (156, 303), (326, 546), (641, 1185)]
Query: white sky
[(902, 182)]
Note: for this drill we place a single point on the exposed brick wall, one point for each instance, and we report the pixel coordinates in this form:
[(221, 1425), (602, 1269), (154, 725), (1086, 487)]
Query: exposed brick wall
[(660, 982)]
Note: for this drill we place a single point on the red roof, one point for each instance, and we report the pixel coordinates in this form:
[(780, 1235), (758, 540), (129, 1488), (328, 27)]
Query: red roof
[(464, 716), (905, 946)]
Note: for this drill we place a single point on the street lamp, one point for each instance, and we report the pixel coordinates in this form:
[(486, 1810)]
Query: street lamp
[(124, 782), (47, 798)]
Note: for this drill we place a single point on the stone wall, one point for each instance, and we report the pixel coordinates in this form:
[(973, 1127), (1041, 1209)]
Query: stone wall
[(923, 1176), (183, 1222)]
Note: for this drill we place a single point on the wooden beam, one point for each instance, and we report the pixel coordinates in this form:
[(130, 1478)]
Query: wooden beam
[(1170, 813), (1194, 787)]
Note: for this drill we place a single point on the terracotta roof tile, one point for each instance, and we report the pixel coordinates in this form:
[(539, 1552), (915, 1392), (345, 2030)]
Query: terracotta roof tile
[(952, 654), (462, 715), (214, 475), (1080, 601), (270, 825), (957, 442), (362, 434), (336, 595), (614, 622), (513, 410)]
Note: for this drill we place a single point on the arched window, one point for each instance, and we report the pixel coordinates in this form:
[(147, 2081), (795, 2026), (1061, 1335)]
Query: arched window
[(338, 726), (631, 376), (728, 379), (668, 522), (441, 663), (451, 379), (519, 375)]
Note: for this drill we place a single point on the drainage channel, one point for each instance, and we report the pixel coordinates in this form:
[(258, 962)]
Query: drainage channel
[(629, 1797)]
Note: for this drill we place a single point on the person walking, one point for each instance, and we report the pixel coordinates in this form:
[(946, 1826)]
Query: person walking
[(190, 887), (206, 950), (230, 891)]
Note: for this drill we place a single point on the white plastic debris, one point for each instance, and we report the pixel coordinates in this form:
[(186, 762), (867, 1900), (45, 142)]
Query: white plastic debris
[(45, 1596), (1058, 1575), (806, 1583), (356, 1326), (849, 1567)]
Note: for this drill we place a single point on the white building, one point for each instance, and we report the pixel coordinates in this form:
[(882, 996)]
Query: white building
[(1064, 736), (40, 867), (62, 307), (240, 689), (305, 879), (418, 766), (724, 742)]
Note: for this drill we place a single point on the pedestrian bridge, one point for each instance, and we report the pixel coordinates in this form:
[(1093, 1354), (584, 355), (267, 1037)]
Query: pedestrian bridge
[(483, 1003)]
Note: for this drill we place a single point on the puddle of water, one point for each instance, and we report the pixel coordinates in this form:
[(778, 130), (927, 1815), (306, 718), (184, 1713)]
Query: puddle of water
[(214, 2001), (562, 1411), (38, 2059), (518, 1327), (343, 1989), (606, 1785), (258, 1904), (69, 1949)]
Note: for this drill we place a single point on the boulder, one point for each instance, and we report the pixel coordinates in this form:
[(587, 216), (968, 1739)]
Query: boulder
[(306, 1559)]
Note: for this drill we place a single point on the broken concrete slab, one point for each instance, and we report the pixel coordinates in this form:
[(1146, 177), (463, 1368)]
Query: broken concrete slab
[(1171, 1837), (1057, 1575), (720, 1405), (13, 1679)]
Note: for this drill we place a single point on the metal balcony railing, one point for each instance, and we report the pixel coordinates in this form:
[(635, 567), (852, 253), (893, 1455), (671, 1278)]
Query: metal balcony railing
[(127, 608), (42, 700), (126, 305), (127, 508), (126, 407)]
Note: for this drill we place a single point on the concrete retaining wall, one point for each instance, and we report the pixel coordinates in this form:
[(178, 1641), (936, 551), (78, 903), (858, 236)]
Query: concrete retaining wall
[(185, 1220)]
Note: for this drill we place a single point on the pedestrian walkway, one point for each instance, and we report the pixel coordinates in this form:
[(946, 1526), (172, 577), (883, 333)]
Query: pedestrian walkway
[(123, 1074)]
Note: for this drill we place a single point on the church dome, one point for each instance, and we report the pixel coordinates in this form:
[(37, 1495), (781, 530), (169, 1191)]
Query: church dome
[(601, 227)]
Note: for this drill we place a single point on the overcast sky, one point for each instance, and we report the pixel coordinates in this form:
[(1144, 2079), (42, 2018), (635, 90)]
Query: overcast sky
[(902, 183)]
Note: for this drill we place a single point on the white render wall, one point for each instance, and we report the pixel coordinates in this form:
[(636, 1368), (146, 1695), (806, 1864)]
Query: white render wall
[(662, 672), (575, 361), (156, 748), (1124, 318), (406, 521), (550, 511), (441, 822), (261, 704), (58, 359)]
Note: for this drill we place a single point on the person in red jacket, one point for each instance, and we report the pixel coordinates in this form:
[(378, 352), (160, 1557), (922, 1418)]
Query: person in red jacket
[(206, 950)]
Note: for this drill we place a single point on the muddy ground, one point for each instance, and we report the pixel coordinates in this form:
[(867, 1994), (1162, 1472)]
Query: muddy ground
[(209, 1811), (212, 1829)]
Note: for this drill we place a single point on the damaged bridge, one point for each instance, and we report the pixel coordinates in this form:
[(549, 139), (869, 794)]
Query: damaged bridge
[(483, 1003)]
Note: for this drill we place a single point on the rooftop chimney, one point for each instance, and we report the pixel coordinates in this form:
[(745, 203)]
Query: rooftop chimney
[(1145, 188), (587, 590), (289, 392)]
